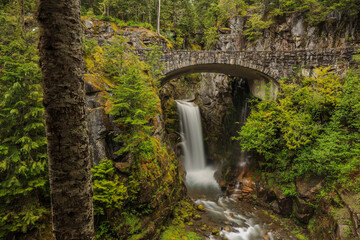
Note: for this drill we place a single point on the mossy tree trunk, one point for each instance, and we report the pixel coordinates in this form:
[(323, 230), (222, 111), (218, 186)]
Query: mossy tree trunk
[(66, 127)]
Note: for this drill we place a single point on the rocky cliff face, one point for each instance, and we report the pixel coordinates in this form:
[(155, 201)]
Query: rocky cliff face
[(100, 124), (151, 180), (292, 32)]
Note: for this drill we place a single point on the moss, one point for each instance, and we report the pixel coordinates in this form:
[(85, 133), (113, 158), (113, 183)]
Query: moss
[(171, 116), (95, 64), (85, 18), (195, 47), (168, 43), (178, 233), (225, 29), (114, 26), (183, 212), (94, 82)]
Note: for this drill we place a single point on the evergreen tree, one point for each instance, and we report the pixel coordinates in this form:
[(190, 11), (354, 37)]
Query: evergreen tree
[(134, 101), (23, 163)]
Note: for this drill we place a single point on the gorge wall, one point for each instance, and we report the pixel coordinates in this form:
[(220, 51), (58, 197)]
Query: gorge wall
[(148, 179), (220, 97)]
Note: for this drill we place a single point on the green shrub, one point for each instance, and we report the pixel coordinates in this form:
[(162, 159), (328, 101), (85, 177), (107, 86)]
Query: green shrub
[(311, 130)]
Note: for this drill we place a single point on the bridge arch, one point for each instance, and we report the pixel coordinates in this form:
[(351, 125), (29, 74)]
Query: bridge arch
[(260, 84)]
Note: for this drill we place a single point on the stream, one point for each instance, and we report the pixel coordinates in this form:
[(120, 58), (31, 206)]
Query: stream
[(205, 190)]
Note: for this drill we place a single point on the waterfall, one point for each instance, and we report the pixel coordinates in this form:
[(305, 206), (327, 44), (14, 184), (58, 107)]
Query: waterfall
[(201, 184), (191, 134), (199, 177), (243, 164)]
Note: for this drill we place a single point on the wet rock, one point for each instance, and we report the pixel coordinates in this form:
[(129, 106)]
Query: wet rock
[(281, 35), (264, 193), (304, 211), (123, 167), (285, 203), (110, 29), (206, 101), (334, 16), (275, 207), (298, 27), (215, 232), (344, 232), (351, 202), (97, 133), (201, 208), (103, 27), (88, 24)]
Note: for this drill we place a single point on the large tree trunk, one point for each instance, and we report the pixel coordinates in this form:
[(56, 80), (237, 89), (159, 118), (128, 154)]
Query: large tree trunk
[(66, 127)]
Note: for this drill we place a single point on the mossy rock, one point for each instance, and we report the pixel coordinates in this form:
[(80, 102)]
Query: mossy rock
[(201, 208)]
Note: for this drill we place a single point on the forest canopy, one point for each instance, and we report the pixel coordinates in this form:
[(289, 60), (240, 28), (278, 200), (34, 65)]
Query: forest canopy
[(194, 24)]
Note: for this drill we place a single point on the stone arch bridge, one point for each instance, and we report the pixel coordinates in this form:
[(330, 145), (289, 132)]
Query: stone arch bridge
[(261, 69)]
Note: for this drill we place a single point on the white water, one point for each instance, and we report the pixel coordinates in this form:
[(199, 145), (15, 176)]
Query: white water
[(191, 135), (199, 177), (244, 161), (200, 181)]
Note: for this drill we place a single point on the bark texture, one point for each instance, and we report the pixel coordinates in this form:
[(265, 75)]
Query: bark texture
[(67, 134)]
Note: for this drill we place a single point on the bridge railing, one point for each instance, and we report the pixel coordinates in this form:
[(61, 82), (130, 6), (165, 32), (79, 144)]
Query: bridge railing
[(143, 51)]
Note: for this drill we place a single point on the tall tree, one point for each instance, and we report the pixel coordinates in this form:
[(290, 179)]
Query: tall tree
[(66, 128), (158, 18), (24, 204)]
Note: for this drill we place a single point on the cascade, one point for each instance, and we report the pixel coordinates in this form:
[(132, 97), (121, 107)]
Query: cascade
[(191, 135), (203, 187), (243, 164), (199, 177)]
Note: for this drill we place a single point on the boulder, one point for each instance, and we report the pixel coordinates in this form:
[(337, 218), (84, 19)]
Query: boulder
[(309, 188), (88, 24), (123, 167)]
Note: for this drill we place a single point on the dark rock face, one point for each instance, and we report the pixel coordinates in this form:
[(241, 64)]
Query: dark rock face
[(99, 123), (304, 211)]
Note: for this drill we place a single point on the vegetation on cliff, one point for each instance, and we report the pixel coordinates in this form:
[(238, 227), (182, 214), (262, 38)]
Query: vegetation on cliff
[(135, 194), (312, 130)]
